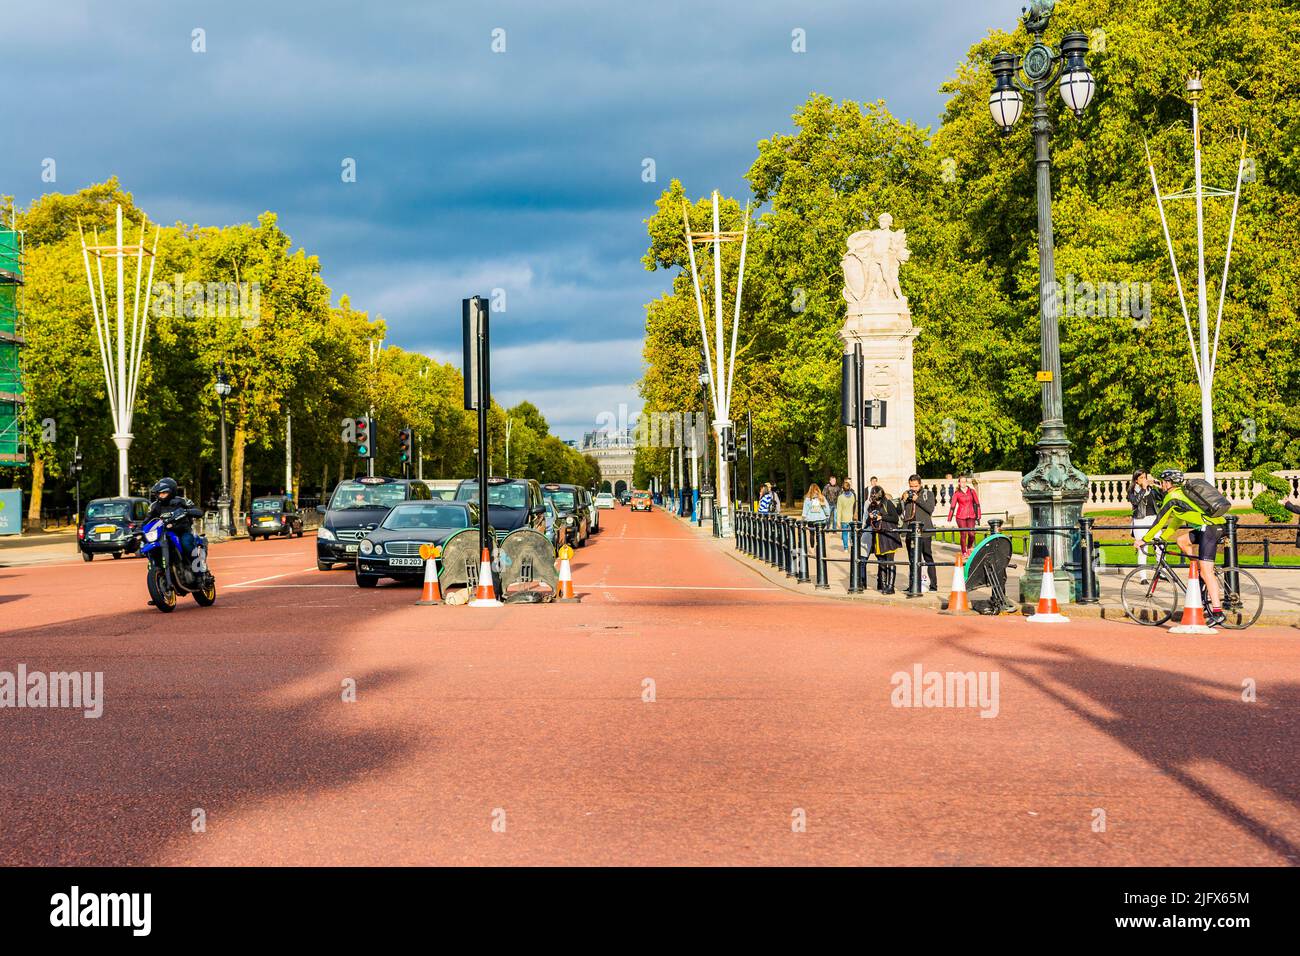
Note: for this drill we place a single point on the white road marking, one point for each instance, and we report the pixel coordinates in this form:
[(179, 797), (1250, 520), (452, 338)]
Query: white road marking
[(675, 587), (263, 587), (270, 577)]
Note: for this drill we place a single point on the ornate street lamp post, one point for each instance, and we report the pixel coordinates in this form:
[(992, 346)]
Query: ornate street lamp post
[(224, 518), (1055, 490)]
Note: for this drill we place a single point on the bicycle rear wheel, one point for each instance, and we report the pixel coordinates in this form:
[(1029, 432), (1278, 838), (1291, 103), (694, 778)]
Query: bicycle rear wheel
[(1243, 605), (1153, 602)]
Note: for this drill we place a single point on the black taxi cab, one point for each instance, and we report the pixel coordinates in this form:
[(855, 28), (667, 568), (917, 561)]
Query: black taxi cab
[(393, 549), (572, 519), (356, 508), (513, 503), (109, 526), (271, 515)]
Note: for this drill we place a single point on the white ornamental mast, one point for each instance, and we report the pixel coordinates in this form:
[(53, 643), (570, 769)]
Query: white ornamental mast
[(1205, 358), (119, 354), (721, 367)]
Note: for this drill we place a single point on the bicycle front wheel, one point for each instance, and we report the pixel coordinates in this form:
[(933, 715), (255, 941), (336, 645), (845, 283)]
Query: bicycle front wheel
[(1151, 602), (1243, 604)]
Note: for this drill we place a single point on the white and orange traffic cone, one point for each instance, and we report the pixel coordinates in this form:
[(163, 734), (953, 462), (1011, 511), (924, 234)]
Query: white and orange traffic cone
[(566, 595), (958, 599), (431, 593), (1193, 621), (485, 594), (1049, 610)]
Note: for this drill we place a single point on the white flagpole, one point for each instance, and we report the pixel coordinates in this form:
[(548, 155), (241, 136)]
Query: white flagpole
[(695, 277), (1207, 377), (1227, 257), (1178, 281)]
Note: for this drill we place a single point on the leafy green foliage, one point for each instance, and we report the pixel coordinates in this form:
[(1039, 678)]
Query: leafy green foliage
[(1269, 501)]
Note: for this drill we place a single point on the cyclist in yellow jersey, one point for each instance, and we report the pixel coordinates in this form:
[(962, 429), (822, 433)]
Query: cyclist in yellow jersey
[(1181, 519)]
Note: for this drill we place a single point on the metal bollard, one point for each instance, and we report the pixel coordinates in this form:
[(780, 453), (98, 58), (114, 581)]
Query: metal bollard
[(819, 531), (995, 526), (914, 560), (1230, 560), (855, 542), (787, 546), (798, 549), (1088, 591)]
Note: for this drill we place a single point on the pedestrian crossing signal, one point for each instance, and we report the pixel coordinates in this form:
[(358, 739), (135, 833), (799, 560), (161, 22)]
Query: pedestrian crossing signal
[(405, 440)]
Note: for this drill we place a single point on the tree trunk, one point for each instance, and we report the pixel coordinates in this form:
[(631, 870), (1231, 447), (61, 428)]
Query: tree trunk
[(297, 481), (237, 469), (324, 480), (38, 488)]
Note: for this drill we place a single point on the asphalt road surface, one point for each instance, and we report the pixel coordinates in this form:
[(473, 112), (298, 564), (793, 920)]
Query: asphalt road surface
[(686, 712)]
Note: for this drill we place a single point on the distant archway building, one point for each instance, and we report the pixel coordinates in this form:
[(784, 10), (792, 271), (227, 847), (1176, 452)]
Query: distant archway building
[(616, 452)]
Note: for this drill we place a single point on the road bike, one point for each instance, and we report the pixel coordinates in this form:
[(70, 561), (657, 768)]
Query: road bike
[(1157, 599)]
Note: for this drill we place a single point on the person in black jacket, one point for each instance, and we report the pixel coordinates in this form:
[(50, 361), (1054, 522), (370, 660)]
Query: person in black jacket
[(180, 513), (883, 517), (918, 506), (1145, 502)]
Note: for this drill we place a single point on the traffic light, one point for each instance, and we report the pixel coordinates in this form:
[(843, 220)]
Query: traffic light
[(77, 466), (364, 430), (405, 441), (742, 443), (729, 443)]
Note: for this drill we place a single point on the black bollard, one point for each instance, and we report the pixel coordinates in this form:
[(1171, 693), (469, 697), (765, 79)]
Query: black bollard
[(823, 579), (855, 541)]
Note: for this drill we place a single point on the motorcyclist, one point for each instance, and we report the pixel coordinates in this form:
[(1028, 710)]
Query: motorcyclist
[(180, 512)]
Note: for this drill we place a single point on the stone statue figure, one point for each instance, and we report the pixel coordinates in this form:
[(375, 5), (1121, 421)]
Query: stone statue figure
[(871, 264)]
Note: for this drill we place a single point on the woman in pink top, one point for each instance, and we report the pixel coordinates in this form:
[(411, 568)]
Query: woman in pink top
[(965, 505)]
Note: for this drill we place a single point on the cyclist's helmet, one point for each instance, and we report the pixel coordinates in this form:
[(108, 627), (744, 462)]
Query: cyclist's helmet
[(1172, 475), (164, 489)]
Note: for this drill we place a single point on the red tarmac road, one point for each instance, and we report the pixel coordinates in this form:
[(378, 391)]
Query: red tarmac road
[(686, 712)]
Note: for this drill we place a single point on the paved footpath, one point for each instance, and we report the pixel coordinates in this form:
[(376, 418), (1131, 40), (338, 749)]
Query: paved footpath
[(688, 711)]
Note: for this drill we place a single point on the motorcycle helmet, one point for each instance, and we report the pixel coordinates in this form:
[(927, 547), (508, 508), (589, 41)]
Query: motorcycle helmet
[(164, 489)]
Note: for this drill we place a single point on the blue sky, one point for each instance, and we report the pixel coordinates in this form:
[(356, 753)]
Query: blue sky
[(476, 170)]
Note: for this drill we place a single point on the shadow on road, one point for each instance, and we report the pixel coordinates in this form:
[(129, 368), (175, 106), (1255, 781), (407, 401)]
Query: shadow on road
[(1174, 721), (199, 712)]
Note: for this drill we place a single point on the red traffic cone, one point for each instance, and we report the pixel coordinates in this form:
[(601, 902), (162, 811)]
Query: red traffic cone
[(566, 595), (1193, 621), (958, 599), (485, 594), (431, 593), (1049, 611)]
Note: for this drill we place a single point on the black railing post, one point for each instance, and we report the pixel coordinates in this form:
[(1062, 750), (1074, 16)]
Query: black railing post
[(855, 542), (1230, 560), (995, 526), (788, 545), (914, 560), (819, 532), (1088, 582), (801, 551)]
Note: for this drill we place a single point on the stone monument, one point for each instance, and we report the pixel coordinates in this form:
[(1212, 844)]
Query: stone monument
[(879, 319)]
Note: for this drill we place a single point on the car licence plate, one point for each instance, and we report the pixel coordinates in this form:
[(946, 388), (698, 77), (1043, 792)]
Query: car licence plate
[(405, 562), (104, 536), (105, 529), (263, 520), (350, 548)]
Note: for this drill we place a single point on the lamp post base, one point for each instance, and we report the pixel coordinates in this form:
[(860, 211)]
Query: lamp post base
[(1055, 492)]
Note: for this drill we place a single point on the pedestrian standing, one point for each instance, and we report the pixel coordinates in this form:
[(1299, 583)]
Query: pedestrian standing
[(1292, 504), (918, 508), (965, 504), (815, 509), (1145, 503), (767, 500), (845, 506), (832, 493), (883, 517)]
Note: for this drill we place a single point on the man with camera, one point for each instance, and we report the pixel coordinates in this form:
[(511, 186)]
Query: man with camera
[(918, 506)]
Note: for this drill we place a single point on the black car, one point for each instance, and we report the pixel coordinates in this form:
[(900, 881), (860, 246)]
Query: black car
[(109, 526), (572, 519), (273, 515), (513, 503), (357, 507), (393, 549)]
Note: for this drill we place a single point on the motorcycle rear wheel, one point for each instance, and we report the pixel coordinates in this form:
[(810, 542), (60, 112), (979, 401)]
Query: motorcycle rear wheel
[(164, 597)]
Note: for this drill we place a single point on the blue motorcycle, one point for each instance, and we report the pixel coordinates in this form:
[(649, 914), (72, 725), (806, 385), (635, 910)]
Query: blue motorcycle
[(172, 572)]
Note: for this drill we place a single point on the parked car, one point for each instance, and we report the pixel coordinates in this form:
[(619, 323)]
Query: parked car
[(593, 513), (357, 507), (109, 526), (571, 515), (273, 516), (513, 503), (605, 500), (392, 550), (641, 501), (625, 497)]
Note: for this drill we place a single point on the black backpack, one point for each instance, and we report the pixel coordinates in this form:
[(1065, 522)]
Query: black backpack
[(1208, 498)]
